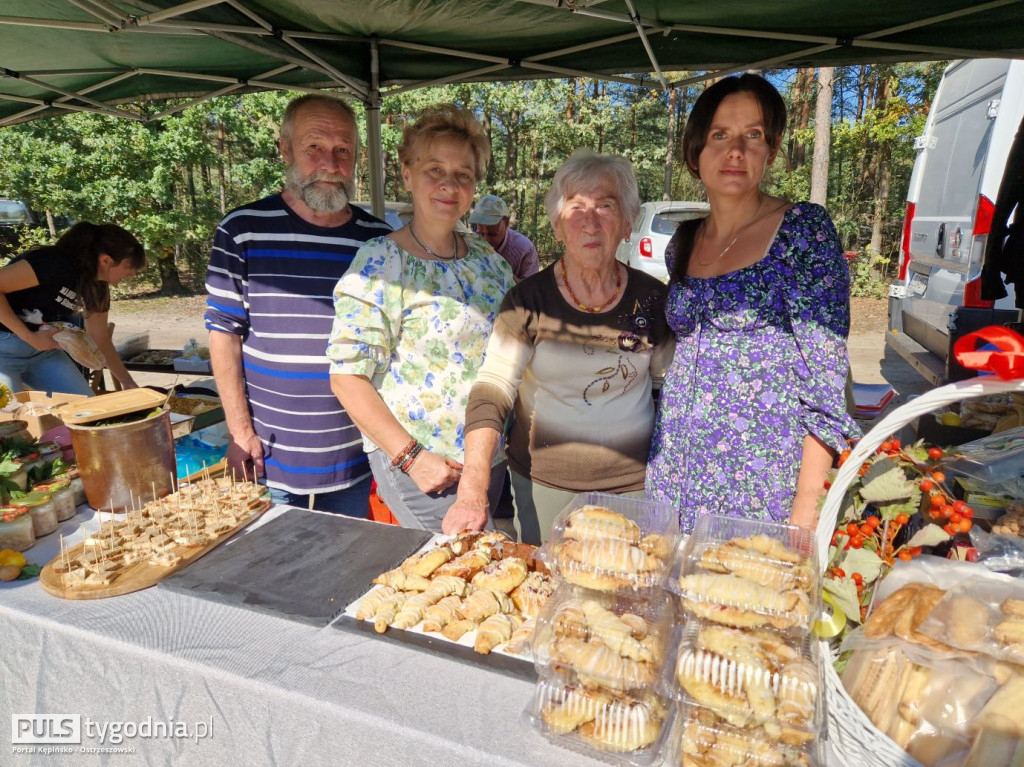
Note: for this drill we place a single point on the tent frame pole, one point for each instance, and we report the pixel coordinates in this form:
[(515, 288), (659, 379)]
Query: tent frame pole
[(374, 156)]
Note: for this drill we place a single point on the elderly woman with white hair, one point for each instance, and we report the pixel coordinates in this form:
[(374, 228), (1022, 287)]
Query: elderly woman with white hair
[(574, 356)]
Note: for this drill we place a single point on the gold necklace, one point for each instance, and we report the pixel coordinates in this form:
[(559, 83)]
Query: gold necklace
[(452, 257), (583, 306), (739, 231)]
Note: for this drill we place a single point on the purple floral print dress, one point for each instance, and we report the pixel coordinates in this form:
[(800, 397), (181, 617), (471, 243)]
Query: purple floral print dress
[(760, 362)]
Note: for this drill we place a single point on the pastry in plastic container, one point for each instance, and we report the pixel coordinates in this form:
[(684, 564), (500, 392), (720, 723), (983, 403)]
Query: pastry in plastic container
[(614, 727), (749, 574), (610, 543), (702, 739), (752, 679), (603, 641)]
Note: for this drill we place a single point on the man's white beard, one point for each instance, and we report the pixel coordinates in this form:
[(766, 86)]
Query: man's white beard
[(323, 198)]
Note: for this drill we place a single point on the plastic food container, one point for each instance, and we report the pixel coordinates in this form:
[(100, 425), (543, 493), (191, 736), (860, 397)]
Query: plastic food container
[(612, 543), (750, 574), (43, 510), (753, 679), (16, 528), (77, 487), (701, 738), (598, 640), (63, 497), (621, 729), (29, 462), (994, 459)]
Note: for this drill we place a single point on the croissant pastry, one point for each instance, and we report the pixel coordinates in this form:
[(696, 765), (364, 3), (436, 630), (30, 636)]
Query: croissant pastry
[(445, 585), (597, 523), (426, 562), (656, 545), (388, 611), (403, 581), (577, 706), (779, 576), (503, 575), (483, 603), (495, 630), (466, 565), (368, 605), (530, 595), (770, 547), (414, 608), (609, 629), (598, 665), (632, 729), (740, 602), (612, 556), (439, 615), (456, 628), (520, 641)]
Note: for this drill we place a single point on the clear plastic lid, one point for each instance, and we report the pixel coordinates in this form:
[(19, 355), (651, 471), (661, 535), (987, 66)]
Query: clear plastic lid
[(749, 573), (994, 459), (753, 678), (700, 738), (599, 640), (610, 543), (622, 729)]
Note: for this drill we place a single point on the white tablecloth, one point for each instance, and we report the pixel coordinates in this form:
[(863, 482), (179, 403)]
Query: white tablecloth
[(276, 692)]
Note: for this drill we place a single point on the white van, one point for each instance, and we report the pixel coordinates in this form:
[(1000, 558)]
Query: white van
[(953, 194)]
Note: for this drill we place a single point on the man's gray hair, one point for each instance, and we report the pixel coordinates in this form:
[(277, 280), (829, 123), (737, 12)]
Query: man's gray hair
[(583, 172), (288, 120)]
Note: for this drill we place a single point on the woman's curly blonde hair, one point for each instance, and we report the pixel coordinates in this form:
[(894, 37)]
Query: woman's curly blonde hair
[(445, 121)]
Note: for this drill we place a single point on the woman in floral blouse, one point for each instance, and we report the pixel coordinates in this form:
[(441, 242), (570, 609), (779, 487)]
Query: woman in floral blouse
[(412, 317), (752, 411)]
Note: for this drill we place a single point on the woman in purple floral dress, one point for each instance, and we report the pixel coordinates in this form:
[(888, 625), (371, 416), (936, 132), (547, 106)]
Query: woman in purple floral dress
[(753, 409)]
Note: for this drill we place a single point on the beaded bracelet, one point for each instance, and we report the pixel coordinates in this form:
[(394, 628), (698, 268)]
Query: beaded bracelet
[(411, 458), (400, 458)]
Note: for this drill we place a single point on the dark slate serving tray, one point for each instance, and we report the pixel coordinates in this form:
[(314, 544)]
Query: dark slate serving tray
[(302, 566)]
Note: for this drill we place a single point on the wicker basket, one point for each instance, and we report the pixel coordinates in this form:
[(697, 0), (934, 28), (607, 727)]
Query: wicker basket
[(855, 740)]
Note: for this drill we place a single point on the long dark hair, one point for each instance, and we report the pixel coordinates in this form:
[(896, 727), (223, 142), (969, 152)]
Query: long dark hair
[(87, 242)]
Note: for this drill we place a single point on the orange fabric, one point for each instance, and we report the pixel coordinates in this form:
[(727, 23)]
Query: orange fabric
[(379, 511)]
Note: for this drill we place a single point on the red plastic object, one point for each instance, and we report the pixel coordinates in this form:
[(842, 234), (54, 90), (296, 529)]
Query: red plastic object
[(379, 511)]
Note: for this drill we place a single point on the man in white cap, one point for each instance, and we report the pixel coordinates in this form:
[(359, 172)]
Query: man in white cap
[(490, 220)]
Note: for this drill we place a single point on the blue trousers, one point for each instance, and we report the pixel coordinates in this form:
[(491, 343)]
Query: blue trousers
[(24, 367), (351, 502)]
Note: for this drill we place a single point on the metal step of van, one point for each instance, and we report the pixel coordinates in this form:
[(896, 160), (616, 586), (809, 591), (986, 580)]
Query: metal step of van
[(923, 361)]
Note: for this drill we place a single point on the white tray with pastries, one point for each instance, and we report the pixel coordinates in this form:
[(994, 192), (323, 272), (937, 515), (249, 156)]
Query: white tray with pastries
[(474, 596)]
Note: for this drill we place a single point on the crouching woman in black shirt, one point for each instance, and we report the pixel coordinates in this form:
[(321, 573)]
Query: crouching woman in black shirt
[(53, 284)]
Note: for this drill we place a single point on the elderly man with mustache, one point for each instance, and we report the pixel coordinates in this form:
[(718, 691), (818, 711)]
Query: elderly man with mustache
[(269, 311)]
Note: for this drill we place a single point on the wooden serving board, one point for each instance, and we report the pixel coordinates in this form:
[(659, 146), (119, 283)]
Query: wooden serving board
[(109, 405), (137, 576)]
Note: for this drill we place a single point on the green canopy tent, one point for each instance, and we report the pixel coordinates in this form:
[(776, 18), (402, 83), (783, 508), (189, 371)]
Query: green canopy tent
[(91, 55)]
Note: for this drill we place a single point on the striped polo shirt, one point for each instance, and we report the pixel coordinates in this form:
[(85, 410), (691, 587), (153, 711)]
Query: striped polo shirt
[(271, 280)]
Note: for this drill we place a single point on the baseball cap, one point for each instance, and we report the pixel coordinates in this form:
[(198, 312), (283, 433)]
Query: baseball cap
[(489, 210)]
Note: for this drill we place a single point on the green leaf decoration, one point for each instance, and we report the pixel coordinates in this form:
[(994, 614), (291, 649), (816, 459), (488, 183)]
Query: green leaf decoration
[(864, 562), (929, 535), (844, 592), (885, 482), (889, 511)]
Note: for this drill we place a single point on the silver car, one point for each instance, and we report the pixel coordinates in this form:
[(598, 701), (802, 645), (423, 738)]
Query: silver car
[(644, 249)]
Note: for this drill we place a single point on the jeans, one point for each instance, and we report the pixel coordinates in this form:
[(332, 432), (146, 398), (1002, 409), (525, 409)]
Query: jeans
[(351, 502), (22, 366)]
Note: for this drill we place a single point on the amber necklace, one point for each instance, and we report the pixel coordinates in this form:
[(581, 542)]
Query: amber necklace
[(583, 306)]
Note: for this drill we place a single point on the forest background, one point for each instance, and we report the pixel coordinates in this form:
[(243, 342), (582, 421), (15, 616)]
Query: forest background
[(171, 180)]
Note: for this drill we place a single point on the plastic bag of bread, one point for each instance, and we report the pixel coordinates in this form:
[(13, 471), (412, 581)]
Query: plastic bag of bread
[(77, 344), (983, 614), (929, 709)]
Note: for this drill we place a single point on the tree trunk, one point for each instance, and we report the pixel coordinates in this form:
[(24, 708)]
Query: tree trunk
[(570, 102), (50, 223), (862, 80), (822, 136), (670, 147), (882, 175), (221, 179), (170, 277), (801, 116)]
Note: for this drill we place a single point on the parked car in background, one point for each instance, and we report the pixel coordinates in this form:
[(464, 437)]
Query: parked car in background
[(954, 190), (15, 217), (644, 249), (396, 214)]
